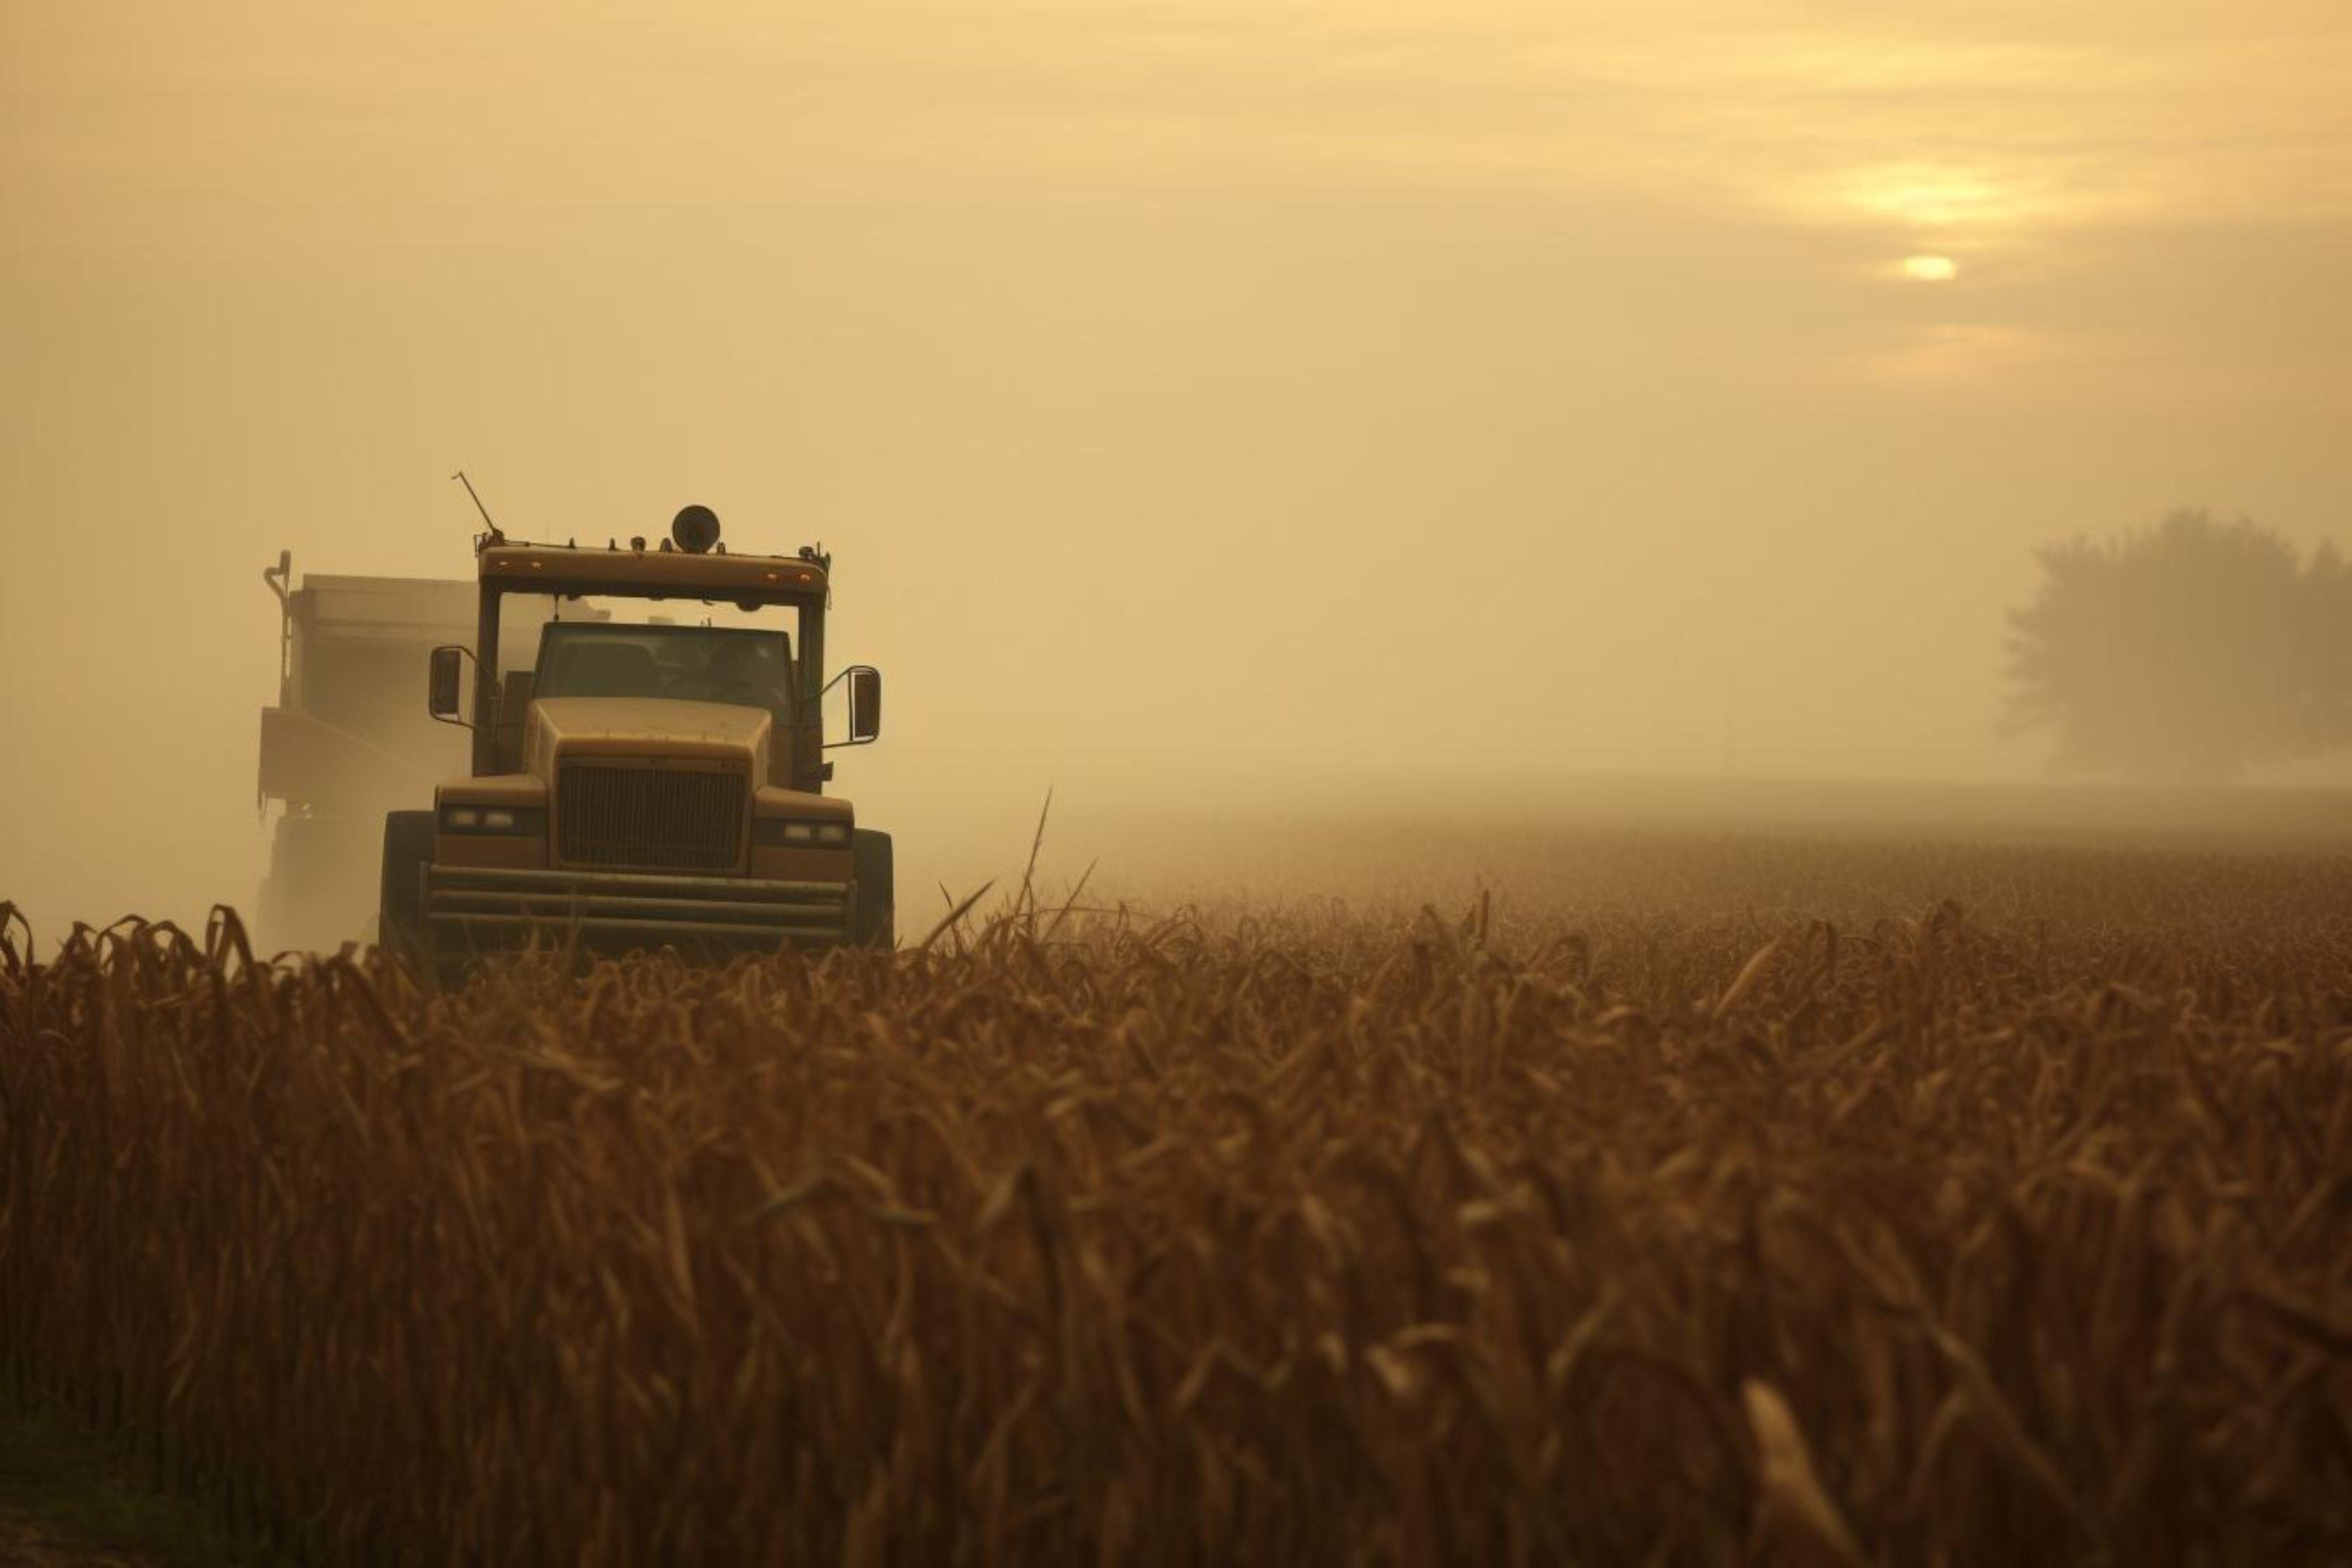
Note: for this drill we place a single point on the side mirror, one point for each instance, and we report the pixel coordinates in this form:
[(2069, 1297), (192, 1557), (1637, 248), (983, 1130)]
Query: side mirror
[(865, 704), (445, 685)]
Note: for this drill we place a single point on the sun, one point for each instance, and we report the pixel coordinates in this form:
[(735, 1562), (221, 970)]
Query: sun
[(1930, 268)]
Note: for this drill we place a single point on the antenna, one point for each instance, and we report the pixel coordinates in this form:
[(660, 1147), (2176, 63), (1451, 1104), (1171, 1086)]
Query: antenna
[(495, 535)]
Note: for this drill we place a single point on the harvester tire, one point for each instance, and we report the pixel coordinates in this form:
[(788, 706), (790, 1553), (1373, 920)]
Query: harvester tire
[(399, 926), (874, 890)]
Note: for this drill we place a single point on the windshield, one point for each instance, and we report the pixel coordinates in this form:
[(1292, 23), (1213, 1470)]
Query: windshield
[(708, 664)]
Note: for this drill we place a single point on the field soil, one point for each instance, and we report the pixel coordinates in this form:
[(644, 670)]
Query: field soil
[(68, 1499)]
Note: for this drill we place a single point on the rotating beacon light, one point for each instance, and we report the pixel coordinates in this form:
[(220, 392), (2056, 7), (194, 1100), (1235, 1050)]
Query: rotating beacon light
[(696, 529)]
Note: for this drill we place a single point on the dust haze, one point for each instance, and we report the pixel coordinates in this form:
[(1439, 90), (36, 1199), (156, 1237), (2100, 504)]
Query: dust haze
[(1387, 412)]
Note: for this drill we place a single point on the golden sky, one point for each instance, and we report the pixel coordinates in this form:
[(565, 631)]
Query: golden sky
[(1393, 394)]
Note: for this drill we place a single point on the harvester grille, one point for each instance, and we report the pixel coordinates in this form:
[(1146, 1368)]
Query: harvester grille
[(628, 814)]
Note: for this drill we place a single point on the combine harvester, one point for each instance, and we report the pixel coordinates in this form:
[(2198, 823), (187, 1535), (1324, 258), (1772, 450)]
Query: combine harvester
[(637, 784), (348, 740)]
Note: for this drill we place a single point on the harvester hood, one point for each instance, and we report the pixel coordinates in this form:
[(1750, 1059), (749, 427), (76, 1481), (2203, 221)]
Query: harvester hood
[(637, 725)]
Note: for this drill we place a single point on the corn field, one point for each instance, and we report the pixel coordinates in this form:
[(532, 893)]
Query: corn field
[(1718, 1224)]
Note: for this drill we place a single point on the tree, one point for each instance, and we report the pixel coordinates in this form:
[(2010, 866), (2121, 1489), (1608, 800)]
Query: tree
[(2188, 651)]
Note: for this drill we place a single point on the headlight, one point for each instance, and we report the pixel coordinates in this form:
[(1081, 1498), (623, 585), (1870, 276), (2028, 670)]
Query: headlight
[(493, 819), (770, 832)]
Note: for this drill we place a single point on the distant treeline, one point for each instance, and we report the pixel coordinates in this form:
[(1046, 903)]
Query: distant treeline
[(2188, 651)]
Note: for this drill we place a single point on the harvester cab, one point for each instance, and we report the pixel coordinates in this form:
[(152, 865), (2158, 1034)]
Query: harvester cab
[(640, 781)]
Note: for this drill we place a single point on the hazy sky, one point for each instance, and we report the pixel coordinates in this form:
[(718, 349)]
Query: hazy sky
[(1381, 394)]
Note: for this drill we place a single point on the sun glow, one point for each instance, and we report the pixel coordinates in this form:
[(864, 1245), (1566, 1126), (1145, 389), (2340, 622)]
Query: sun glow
[(1932, 197), (1930, 268)]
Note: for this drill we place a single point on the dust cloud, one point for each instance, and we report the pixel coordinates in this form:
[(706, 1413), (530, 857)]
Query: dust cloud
[(1400, 411)]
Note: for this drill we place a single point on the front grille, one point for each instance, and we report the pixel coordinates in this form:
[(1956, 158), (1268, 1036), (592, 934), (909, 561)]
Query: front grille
[(648, 818)]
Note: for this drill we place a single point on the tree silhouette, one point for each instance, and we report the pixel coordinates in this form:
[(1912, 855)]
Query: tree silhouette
[(2185, 652)]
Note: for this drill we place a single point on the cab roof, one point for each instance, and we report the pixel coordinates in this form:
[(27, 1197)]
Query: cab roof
[(635, 571)]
